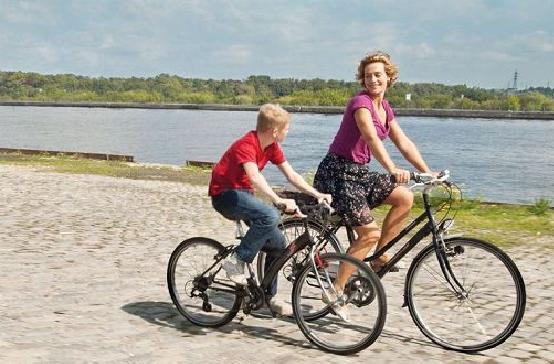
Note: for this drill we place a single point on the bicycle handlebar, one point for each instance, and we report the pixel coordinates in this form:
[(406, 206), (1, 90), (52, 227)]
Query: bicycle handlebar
[(426, 179), (323, 206), (283, 208)]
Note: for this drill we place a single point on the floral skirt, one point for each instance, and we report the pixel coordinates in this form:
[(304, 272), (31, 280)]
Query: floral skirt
[(355, 189)]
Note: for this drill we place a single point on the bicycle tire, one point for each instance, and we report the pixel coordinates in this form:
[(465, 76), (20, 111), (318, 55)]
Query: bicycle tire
[(367, 306), (211, 300), (498, 288)]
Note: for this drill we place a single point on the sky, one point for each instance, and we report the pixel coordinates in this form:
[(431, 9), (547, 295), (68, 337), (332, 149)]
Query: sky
[(473, 42)]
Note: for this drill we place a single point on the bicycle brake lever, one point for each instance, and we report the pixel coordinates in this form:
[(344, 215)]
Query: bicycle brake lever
[(298, 213)]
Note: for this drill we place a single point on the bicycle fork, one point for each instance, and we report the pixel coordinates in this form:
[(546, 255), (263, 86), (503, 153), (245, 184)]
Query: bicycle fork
[(449, 276), (317, 263)]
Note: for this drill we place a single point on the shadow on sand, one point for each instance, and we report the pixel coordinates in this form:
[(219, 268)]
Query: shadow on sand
[(166, 315)]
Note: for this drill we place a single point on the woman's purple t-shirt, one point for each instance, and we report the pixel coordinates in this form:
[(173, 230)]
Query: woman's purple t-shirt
[(349, 142)]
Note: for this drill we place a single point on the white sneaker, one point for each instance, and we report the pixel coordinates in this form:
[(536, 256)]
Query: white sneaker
[(337, 302), (281, 307), (234, 269)]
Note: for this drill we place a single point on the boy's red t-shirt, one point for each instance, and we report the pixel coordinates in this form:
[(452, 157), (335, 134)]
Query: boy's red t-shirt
[(229, 173)]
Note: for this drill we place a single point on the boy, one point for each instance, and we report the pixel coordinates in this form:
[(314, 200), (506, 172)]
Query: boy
[(233, 181)]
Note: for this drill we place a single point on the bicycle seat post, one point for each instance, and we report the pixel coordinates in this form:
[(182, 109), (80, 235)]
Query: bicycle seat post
[(239, 232)]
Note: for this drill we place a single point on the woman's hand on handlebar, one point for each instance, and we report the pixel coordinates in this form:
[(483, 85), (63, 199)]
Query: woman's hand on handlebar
[(324, 198), (400, 175)]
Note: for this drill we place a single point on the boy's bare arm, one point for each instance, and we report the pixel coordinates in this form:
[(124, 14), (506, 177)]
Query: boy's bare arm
[(299, 182), (260, 184)]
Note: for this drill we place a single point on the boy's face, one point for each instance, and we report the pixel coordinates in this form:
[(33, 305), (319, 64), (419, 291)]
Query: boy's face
[(281, 134)]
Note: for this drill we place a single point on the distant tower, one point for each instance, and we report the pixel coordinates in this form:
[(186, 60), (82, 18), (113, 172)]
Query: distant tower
[(515, 81)]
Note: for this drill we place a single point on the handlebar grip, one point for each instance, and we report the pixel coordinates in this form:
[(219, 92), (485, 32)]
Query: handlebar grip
[(283, 208), (330, 210), (412, 177)]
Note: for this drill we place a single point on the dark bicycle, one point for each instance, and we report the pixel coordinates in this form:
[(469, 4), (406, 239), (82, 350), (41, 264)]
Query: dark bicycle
[(463, 293), (203, 294)]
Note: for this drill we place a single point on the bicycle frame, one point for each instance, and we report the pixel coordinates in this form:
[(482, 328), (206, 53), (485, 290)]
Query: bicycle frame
[(429, 228), (257, 291), (294, 247)]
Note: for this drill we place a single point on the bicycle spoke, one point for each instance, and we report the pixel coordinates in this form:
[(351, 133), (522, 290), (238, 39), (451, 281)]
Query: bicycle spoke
[(329, 331), (438, 276), (199, 288), (487, 312)]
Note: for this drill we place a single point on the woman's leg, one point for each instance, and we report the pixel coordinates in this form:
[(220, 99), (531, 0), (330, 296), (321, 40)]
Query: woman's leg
[(401, 199), (368, 236)]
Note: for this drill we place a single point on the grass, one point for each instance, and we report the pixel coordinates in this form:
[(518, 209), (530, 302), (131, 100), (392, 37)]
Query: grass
[(502, 224), (541, 207), (69, 164)]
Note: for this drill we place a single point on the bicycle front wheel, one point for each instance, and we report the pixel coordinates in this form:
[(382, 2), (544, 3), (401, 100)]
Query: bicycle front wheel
[(292, 228), (480, 316), (198, 286), (363, 302)]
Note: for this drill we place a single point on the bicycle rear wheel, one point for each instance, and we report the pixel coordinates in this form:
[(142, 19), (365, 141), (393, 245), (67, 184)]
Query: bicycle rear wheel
[(364, 299), (486, 315), (198, 287)]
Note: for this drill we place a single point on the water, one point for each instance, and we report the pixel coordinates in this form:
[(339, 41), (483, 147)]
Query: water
[(497, 160)]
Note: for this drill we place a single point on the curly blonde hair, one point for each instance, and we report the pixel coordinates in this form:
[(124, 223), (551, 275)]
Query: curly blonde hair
[(390, 68)]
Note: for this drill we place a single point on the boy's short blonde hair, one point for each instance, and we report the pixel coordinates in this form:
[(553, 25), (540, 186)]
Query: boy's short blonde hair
[(272, 117)]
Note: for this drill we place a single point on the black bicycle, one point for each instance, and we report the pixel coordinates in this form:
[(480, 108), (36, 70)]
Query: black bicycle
[(202, 293), (463, 293)]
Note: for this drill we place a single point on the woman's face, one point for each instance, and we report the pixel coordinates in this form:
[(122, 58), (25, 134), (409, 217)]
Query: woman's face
[(375, 78)]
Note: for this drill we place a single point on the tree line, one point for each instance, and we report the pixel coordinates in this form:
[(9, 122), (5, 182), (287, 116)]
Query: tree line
[(259, 89)]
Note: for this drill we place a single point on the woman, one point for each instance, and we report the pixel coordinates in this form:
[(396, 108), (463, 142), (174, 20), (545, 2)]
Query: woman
[(343, 173)]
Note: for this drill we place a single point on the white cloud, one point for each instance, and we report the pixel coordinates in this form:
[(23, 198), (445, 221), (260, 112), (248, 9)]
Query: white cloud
[(236, 38), (108, 42), (27, 12), (236, 54), (539, 41), (156, 11), (497, 56), (420, 51), (46, 53)]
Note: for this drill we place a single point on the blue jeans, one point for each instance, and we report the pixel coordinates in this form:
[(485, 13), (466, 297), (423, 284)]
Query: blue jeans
[(263, 233)]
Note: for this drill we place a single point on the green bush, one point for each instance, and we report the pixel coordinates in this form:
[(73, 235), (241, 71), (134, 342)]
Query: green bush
[(541, 207)]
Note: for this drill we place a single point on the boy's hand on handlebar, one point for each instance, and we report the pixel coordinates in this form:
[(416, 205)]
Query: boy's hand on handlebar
[(288, 205)]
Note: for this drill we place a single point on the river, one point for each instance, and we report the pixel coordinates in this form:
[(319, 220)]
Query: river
[(496, 160)]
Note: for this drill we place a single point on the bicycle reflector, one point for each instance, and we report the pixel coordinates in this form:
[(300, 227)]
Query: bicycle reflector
[(446, 225)]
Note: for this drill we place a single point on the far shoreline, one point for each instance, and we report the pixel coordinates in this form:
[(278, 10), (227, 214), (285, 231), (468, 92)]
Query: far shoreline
[(328, 110), (196, 172)]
